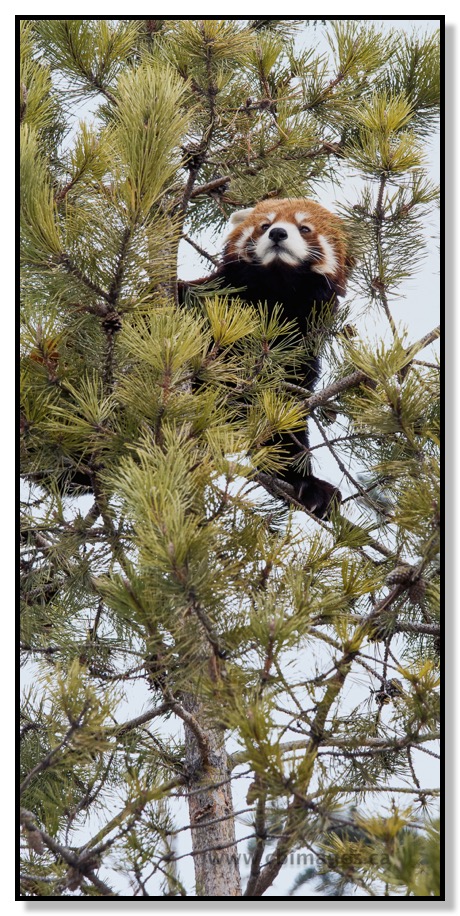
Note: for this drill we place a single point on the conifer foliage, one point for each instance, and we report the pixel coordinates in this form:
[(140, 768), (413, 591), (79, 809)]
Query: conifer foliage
[(214, 681)]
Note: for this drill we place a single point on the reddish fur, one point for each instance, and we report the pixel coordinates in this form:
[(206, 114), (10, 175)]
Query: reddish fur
[(323, 222)]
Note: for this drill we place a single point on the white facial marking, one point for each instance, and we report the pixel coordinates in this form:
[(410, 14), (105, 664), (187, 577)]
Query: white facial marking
[(245, 235), (302, 217), (328, 263), (269, 217), (292, 250)]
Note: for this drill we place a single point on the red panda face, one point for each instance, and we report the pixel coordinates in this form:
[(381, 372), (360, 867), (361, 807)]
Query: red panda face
[(291, 232)]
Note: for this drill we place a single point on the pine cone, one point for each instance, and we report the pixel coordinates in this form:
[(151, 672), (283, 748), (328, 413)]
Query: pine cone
[(401, 575), (388, 691), (417, 591), (35, 841)]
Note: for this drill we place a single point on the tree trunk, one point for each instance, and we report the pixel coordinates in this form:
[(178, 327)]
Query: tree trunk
[(210, 807)]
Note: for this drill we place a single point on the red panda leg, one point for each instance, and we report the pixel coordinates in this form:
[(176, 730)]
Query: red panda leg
[(318, 496)]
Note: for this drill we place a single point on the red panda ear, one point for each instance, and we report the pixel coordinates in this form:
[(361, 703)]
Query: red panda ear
[(238, 217)]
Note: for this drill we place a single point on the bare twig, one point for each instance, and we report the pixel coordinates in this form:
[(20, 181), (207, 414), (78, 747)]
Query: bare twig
[(204, 254)]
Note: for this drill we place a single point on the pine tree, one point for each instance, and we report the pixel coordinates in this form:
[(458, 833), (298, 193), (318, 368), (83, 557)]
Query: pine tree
[(184, 631)]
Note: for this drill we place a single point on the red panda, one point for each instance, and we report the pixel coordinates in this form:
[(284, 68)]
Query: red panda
[(291, 253)]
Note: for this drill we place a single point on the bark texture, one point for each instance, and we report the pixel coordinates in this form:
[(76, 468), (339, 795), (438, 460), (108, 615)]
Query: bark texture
[(210, 807)]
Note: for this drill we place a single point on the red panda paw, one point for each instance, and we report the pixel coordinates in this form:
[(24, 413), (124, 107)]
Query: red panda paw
[(318, 496)]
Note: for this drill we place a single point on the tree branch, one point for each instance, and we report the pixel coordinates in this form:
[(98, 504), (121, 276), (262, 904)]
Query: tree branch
[(66, 261), (46, 762), (82, 864), (200, 734), (204, 254), (118, 730), (355, 378), (240, 757), (211, 186)]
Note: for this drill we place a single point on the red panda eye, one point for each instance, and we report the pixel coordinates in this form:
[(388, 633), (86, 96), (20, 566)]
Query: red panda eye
[(305, 229), (265, 226)]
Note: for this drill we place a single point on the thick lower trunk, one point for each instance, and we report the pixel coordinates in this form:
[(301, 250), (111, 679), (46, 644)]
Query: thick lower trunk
[(210, 807)]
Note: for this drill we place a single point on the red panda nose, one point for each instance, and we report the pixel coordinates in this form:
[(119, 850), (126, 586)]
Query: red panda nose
[(277, 234)]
